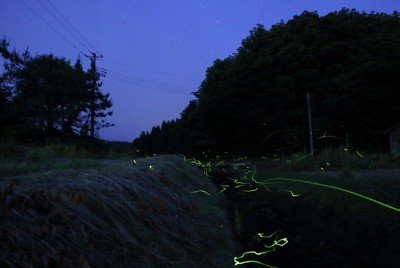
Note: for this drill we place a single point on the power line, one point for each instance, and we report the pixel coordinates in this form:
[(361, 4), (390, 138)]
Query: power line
[(72, 26), (146, 83), (62, 24), (48, 24)]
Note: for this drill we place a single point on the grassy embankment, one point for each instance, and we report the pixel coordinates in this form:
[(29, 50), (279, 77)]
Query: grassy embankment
[(147, 215), (325, 227)]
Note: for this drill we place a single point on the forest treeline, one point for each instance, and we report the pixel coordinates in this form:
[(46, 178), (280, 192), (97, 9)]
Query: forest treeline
[(45, 98), (254, 101)]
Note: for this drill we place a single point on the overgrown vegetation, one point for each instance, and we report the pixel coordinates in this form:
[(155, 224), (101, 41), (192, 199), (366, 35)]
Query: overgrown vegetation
[(275, 218), (21, 159), (148, 215), (312, 220), (330, 159)]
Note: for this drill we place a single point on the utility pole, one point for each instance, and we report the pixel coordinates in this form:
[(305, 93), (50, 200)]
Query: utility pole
[(310, 125), (92, 88)]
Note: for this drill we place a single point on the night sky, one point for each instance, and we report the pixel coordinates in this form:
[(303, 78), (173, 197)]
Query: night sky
[(155, 52)]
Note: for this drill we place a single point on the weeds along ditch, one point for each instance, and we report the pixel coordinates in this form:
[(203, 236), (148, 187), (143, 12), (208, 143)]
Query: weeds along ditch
[(170, 211), (303, 219), (143, 215)]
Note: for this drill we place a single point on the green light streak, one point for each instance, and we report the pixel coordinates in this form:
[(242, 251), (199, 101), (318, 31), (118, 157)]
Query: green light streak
[(250, 191), (220, 163), (237, 181), (237, 262), (281, 242), (277, 180), (235, 259), (261, 235), (224, 187), (327, 136), (291, 192), (270, 248), (200, 191), (300, 158)]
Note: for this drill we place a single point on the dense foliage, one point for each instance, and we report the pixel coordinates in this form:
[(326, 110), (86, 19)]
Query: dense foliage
[(45, 96), (254, 101)]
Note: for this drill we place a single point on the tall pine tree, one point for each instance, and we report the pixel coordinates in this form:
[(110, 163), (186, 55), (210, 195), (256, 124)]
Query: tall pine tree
[(98, 103)]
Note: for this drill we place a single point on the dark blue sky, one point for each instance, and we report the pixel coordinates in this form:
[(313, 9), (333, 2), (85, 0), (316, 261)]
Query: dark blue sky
[(155, 52)]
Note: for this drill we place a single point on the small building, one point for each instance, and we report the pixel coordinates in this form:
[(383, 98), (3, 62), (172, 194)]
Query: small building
[(394, 139)]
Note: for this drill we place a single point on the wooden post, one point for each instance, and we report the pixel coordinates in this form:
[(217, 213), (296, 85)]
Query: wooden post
[(310, 126)]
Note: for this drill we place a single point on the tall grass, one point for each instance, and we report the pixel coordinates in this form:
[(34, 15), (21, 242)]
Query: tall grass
[(147, 215), (40, 153), (334, 159), (20, 159)]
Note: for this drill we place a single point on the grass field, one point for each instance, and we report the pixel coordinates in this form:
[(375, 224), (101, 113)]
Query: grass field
[(20, 159)]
